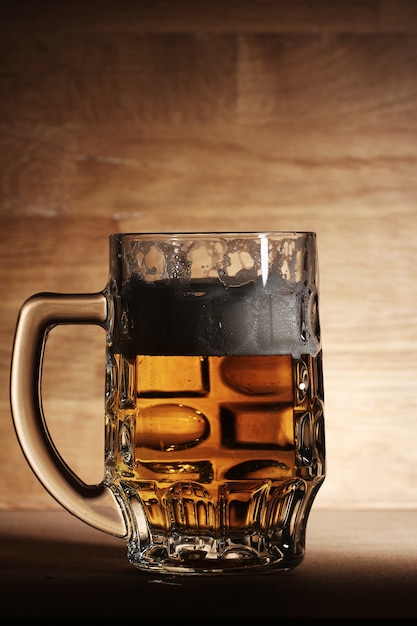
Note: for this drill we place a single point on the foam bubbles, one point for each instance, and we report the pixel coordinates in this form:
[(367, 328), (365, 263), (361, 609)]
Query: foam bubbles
[(216, 294)]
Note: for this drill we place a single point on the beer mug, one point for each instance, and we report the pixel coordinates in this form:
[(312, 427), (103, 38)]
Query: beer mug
[(213, 408)]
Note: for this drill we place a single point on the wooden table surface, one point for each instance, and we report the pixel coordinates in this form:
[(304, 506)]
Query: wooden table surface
[(357, 565)]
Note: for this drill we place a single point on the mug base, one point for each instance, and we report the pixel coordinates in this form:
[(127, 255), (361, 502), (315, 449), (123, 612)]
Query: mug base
[(208, 556)]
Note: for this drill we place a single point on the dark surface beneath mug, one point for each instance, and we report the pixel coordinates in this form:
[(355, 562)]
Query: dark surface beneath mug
[(358, 564)]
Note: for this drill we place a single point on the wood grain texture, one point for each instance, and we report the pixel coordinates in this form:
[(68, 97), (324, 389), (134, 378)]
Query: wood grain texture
[(109, 16), (218, 116)]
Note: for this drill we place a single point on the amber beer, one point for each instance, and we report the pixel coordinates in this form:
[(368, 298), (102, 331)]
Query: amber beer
[(215, 433)]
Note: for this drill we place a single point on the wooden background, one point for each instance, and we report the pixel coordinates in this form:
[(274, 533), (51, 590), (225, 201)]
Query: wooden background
[(218, 115)]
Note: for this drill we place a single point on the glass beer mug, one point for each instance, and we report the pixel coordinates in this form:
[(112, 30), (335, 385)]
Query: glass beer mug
[(213, 409)]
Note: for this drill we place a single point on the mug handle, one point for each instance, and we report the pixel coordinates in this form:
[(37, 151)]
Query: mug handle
[(95, 505)]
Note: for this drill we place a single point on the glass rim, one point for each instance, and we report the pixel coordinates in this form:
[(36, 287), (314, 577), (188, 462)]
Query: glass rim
[(214, 234)]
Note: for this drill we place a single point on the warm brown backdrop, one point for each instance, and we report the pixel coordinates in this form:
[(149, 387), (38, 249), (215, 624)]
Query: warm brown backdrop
[(216, 115)]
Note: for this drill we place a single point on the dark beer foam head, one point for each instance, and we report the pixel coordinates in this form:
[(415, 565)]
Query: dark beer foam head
[(165, 318), (216, 298)]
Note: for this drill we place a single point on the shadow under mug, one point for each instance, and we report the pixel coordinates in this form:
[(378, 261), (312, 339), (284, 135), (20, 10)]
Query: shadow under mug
[(214, 427)]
